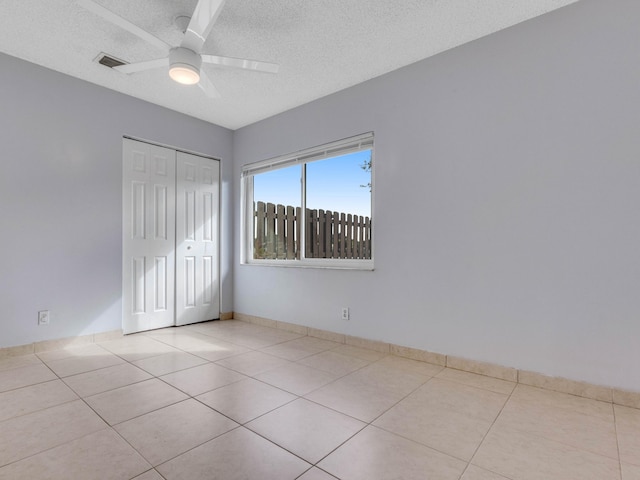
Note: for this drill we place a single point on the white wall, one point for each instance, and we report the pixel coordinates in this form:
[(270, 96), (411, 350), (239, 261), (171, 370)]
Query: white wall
[(61, 198), (507, 201)]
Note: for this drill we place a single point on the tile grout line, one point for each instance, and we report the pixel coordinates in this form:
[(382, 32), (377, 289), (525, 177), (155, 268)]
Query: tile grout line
[(318, 468), (487, 434), (615, 429)]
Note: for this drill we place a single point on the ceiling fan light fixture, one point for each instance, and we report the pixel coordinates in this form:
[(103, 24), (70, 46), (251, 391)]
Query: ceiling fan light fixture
[(184, 74), (184, 66)]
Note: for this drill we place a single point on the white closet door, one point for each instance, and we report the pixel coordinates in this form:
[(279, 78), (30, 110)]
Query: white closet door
[(148, 267), (197, 251)]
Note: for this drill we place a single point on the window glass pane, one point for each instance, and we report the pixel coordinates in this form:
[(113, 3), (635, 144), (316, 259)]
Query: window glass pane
[(335, 229), (338, 214), (276, 206)]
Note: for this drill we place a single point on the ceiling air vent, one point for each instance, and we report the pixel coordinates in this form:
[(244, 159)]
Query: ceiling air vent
[(109, 61)]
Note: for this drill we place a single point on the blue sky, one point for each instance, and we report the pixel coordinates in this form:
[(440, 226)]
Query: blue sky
[(332, 184)]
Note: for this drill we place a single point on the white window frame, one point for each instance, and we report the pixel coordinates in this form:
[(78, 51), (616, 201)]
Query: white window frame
[(303, 157)]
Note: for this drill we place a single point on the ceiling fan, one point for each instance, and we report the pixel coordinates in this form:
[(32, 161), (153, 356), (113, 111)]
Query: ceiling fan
[(184, 61)]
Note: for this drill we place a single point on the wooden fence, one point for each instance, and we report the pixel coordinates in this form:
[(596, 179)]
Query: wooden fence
[(327, 234)]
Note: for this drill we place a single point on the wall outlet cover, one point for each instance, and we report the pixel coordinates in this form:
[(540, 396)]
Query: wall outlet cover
[(43, 317)]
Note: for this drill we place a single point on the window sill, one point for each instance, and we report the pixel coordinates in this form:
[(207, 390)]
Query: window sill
[(365, 265)]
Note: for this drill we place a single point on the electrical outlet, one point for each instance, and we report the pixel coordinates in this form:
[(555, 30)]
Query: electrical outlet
[(43, 317), (345, 313)]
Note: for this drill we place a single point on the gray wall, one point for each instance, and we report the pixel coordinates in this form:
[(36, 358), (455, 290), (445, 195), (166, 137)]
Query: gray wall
[(61, 197), (507, 194)]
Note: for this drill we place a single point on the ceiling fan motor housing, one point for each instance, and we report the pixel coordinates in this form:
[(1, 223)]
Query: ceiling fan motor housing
[(184, 65)]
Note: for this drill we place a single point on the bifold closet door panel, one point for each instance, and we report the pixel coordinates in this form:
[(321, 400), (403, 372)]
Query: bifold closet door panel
[(197, 233), (149, 223)]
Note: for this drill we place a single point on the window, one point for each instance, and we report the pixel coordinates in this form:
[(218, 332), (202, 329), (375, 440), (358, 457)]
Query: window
[(311, 208)]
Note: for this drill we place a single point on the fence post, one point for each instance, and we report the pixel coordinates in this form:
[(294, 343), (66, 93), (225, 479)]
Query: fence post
[(308, 246), (349, 235), (258, 247), (298, 221), (280, 232), (356, 236), (322, 228), (290, 233), (271, 231), (343, 229), (361, 240), (315, 219), (367, 222), (335, 239)]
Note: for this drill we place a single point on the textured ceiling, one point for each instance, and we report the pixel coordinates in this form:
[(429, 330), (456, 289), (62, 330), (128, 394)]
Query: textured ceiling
[(322, 46)]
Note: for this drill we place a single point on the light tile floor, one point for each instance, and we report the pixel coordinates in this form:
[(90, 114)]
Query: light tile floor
[(231, 400)]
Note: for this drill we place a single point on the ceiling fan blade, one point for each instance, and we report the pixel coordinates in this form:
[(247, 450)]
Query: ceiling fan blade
[(241, 63), (141, 66), (202, 20), (207, 87), (122, 23)]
